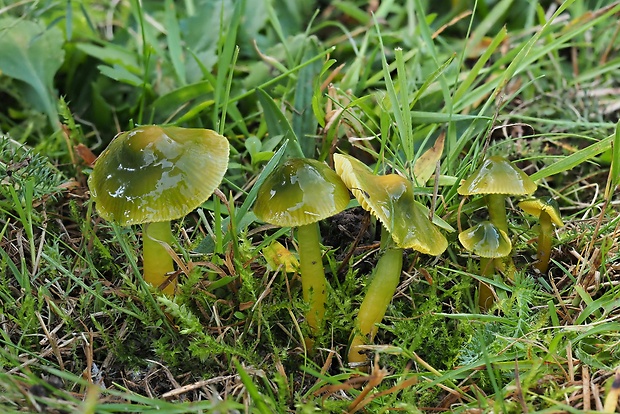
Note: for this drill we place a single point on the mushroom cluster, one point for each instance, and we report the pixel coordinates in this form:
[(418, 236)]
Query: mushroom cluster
[(405, 225), (152, 175), (496, 179)]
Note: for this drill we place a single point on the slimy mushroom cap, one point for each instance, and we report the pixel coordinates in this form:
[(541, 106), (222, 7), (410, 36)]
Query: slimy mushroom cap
[(497, 175), (486, 240), (300, 191), (537, 206), (153, 174), (390, 199)]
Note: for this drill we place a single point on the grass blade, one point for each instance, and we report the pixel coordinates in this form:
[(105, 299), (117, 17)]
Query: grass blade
[(174, 42), (573, 160)]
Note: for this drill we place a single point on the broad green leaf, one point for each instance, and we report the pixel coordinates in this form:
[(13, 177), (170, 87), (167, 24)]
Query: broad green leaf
[(179, 97), (112, 54), (32, 54), (304, 122), (119, 73)]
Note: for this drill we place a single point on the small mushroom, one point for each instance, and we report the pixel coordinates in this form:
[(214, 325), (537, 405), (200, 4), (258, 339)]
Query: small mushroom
[(488, 242), (495, 179), (405, 225), (548, 213), (152, 175), (300, 193)]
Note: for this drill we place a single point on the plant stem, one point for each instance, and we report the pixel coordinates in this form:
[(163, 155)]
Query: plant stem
[(378, 297), (157, 261), (544, 242), (313, 281)]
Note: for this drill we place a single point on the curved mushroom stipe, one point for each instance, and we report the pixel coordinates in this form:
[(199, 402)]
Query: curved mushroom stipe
[(405, 225), (548, 213), (379, 294)]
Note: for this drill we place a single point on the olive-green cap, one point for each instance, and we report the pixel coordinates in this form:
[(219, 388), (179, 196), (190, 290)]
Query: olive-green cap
[(486, 240), (300, 191), (537, 206), (152, 173), (497, 175), (390, 199)]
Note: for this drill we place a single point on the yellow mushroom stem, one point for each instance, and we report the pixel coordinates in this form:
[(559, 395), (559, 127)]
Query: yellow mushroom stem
[(156, 259), (496, 204), (545, 237), (376, 301), (313, 283)]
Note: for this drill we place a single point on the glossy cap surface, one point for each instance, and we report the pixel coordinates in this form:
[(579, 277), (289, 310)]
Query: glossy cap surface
[(300, 191), (537, 206), (152, 173), (486, 240), (390, 199), (497, 175)]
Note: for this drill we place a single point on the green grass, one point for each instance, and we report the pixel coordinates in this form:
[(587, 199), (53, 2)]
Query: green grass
[(533, 81)]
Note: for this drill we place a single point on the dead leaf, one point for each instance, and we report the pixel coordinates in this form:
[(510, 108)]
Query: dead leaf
[(425, 166)]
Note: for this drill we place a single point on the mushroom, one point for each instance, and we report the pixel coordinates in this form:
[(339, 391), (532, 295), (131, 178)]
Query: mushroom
[(548, 213), (152, 175), (495, 179), (488, 242), (300, 193), (405, 225)]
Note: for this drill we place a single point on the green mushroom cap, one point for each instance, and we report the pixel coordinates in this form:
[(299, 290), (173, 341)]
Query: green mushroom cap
[(390, 198), (486, 240), (536, 207), (300, 191), (497, 175), (153, 174)]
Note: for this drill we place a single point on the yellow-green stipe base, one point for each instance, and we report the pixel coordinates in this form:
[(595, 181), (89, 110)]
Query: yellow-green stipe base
[(378, 297), (157, 261), (545, 236), (314, 285)]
